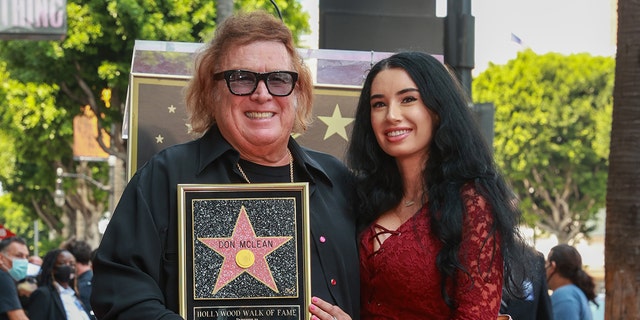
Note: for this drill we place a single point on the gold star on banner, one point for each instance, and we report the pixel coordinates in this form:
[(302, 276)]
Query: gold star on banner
[(244, 252), (336, 124), (159, 139), (172, 109)]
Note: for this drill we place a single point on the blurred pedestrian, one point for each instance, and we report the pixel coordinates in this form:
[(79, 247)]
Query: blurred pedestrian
[(82, 251), (30, 283), (36, 261), (56, 297), (572, 287), (536, 303), (13, 267)]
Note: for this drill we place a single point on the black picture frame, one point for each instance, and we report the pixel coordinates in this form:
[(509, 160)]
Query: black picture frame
[(244, 251)]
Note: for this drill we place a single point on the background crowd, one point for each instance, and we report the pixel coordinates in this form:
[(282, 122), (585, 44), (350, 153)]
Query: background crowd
[(56, 287)]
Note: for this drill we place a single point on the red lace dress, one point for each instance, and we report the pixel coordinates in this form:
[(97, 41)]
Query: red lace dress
[(401, 281)]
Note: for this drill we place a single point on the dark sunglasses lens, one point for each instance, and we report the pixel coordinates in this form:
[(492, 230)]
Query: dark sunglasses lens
[(280, 83), (242, 82), (245, 82)]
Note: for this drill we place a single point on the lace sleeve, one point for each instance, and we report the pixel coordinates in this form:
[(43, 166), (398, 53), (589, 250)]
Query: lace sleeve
[(478, 296)]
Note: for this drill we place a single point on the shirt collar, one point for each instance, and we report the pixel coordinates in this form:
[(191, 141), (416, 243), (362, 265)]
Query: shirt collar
[(212, 146), (63, 290)]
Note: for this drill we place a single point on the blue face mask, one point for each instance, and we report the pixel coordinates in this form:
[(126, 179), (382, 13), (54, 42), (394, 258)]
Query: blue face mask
[(19, 269)]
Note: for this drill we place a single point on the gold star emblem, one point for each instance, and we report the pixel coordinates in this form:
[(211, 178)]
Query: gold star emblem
[(159, 139), (172, 109), (336, 124)]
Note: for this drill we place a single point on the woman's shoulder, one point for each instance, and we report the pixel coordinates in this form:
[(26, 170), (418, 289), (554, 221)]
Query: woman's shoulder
[(473, 196), (568, 292)]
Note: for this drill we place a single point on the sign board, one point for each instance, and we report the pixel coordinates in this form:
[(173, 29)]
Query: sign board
[(85, 137), (155, 117), (5, 233), (33, 19)]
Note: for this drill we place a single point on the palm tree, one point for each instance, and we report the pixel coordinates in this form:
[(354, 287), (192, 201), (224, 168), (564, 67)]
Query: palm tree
[(622, 242)]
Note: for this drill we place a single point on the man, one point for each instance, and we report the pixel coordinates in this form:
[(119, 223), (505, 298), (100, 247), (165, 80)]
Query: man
[(13, 267), (536, 304), (250, 91), (81, 250)]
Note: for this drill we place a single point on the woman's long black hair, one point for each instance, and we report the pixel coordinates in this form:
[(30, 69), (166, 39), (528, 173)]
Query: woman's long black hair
[(458, 155), (45, 277)]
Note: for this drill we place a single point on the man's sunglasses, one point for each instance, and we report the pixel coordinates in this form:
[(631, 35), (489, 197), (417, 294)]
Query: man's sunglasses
[(244, 83)]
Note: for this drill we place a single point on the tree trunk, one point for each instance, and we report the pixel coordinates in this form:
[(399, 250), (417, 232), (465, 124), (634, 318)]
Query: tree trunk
[(622, 257)]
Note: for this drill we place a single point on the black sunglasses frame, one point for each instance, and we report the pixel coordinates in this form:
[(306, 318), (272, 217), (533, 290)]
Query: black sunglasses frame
[(260, 76)]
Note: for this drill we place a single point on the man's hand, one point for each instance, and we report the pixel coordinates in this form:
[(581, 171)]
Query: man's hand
[(17, 314)]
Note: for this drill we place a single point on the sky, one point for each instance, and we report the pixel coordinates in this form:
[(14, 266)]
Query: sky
[(564, 26)]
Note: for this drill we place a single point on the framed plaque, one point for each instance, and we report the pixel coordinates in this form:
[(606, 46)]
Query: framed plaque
[(244, 251)]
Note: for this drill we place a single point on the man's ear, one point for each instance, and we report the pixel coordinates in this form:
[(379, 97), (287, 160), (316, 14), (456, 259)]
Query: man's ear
[(3, 262)]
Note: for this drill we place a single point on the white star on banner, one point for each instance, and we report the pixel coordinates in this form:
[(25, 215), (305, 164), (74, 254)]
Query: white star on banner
[(336, 124)]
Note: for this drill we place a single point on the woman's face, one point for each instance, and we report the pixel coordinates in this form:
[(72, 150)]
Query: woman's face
[(65, 259), (402, 124)]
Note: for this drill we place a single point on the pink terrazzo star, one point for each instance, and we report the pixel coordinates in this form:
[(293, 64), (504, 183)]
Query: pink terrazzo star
[(244, 243)]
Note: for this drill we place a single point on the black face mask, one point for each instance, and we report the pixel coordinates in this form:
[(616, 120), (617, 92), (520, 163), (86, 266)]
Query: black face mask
[(63, 274)]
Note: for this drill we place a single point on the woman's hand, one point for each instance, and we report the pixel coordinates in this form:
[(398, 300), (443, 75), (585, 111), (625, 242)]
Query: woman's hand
[(322, 310)]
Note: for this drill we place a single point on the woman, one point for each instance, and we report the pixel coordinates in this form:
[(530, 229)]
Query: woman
[(56, 297), (572, 287), (437, 218)]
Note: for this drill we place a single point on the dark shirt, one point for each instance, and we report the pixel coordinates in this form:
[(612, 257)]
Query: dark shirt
[(536, 305), (84, 290), (136, 266), (9, 295)]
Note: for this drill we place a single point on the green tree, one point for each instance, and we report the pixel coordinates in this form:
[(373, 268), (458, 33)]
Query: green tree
[(12, 216), (47, 83), (30, 124), (552, 120)]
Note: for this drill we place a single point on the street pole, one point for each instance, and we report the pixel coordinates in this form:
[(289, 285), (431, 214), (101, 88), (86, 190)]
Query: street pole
[(36, 237), (459, 51), (459, 40), (112, 180)]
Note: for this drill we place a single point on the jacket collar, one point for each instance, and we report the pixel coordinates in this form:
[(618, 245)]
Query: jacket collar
[(212, 146)]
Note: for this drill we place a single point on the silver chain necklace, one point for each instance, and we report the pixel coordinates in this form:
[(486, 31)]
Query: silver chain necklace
[(290, 168)]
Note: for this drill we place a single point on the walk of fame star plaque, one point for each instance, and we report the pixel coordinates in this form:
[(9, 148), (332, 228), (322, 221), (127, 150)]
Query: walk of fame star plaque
[(244, 251)]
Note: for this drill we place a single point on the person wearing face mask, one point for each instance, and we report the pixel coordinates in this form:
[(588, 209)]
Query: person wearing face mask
[(81, 250), (13, 267), (29, 284), (56, 297)]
